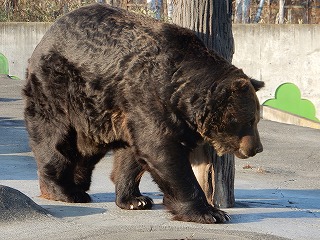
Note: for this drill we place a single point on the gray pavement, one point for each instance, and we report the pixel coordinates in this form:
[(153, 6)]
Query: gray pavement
[(277, 191)]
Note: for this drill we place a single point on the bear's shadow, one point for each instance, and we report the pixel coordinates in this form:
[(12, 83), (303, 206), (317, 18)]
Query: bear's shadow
[(110, 198), (259, 217), (62, 211), (70, 210), (276, 204)]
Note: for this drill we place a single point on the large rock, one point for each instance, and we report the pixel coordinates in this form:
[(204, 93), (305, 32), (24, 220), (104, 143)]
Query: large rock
[(16, 206)]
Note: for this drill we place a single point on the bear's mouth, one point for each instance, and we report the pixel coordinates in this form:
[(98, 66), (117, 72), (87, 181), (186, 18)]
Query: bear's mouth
[(241, 154), (238, 152), (222, 149)]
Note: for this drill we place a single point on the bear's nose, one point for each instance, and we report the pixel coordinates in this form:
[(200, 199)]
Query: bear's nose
[(255, 150), (259, 149)]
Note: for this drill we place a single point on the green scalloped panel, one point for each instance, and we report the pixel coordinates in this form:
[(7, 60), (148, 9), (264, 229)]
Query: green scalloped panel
[(288, 98), (4, 66)]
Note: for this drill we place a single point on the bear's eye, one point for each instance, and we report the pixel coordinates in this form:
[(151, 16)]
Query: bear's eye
[(233, 121)]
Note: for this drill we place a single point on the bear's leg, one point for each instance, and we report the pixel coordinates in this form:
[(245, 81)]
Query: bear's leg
[(126, 175), (170, 167), (56, 154), (84, 167)]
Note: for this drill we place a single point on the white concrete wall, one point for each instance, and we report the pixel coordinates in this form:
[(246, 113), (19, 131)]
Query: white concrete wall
[(277, 54), (17, 42), (273, 53)]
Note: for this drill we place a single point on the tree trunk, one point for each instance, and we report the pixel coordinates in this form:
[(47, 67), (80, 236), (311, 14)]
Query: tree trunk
[(242, 13), (211, 21), (164, 9), (170, 8), (245, 11), (238, 12), (118, 3), (281, 11), (257, 18), (269, 11)]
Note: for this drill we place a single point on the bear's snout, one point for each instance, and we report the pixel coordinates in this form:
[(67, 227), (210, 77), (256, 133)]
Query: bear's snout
[(249, 147)]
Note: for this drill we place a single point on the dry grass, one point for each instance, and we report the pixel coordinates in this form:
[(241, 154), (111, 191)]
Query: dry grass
[(37, 10)]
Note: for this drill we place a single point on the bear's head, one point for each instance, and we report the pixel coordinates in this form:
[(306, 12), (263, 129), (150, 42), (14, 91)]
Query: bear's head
[(231, 118)]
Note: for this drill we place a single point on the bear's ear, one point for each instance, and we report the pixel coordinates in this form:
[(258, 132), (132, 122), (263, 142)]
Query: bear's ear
[(240, 84), (257, 84)]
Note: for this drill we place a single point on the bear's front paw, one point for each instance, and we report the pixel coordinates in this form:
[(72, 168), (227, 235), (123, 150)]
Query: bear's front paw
[(135, 203), (206, 216)]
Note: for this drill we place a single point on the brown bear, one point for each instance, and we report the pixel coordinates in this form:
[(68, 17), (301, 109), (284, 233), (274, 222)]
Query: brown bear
[(105, 79)]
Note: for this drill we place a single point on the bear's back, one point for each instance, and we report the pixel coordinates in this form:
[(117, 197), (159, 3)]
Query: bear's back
[(99, 38)]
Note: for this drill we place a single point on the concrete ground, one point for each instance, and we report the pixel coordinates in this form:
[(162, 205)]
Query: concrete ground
[(277, 191)]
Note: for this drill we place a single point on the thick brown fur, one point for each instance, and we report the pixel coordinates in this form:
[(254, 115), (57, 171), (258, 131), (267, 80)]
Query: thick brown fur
[(104, 79)]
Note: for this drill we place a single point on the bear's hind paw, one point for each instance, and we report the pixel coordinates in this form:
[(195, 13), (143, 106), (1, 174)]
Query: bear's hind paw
[(80, 197), (65, 195), (74, 197), (213, 215)]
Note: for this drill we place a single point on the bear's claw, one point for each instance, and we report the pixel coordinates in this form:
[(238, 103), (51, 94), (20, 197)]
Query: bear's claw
[(136, 203)]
